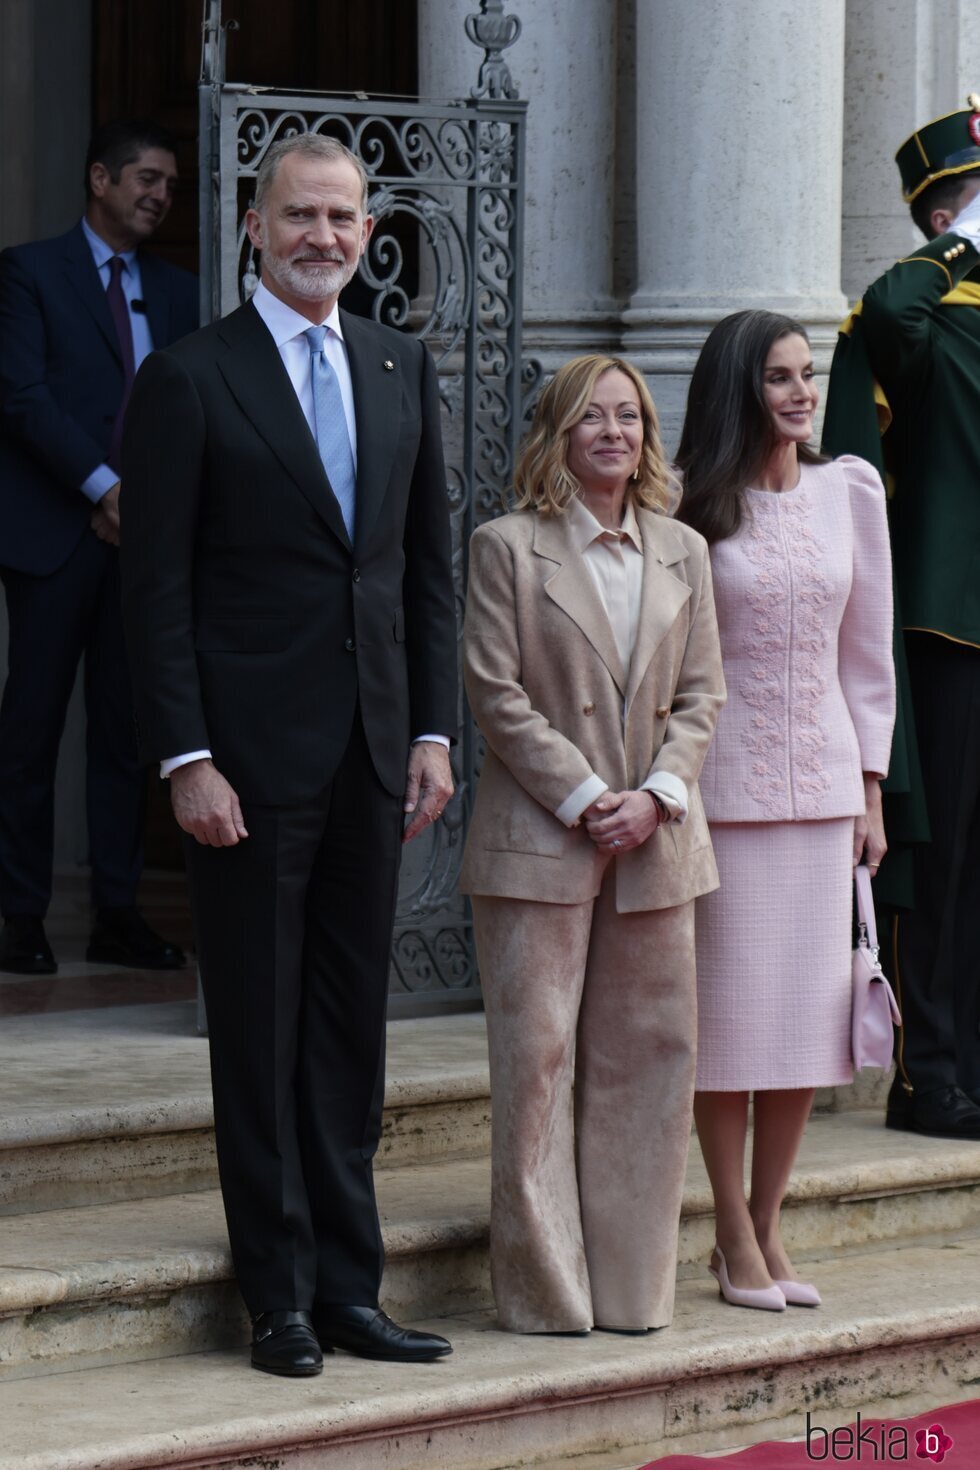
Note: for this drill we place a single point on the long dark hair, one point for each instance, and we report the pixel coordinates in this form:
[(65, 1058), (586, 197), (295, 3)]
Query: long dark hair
[(728, 433)]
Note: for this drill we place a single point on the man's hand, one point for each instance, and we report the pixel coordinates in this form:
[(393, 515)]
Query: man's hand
[(205, 805), (621, 820), (105, 517), (428, 787)]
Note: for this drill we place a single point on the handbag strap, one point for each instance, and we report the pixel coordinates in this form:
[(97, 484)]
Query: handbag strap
[(865, 903)]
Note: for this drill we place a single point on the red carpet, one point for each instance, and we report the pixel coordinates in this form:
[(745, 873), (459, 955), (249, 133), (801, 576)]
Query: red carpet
[(949, 1437)]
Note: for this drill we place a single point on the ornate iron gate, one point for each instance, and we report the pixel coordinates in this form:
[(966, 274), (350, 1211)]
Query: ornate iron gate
[(447, 193)]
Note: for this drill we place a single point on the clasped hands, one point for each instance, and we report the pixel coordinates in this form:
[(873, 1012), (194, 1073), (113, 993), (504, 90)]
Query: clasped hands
[(621, 820), (104, 519), (207, 807)]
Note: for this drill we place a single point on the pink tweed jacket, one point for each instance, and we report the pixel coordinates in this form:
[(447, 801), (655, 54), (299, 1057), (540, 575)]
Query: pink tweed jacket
[(804, 600)]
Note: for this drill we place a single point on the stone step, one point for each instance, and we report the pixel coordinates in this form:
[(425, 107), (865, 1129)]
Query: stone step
[(153, 1277), (115, 1104), (899, 1333)]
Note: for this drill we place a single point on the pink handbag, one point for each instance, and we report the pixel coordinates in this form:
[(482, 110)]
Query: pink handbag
[(873, 1008)]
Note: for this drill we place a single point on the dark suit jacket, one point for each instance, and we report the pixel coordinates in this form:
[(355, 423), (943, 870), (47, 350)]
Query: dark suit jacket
[(61, 380), (254, 627)]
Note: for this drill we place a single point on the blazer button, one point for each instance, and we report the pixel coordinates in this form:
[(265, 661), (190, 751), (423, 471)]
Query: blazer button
[(663, 711), (588, 709), (356, 575), (350, 645)]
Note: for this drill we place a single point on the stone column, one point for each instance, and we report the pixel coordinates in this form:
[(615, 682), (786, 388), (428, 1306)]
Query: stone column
[(738, 183), (907, 61), (564, 64)]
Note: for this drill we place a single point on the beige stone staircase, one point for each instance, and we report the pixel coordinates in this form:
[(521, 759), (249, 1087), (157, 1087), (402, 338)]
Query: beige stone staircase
[(122, 1336)]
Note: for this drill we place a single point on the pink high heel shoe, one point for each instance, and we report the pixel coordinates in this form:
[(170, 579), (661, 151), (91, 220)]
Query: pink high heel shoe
[(764, 1298), (799, 1293)]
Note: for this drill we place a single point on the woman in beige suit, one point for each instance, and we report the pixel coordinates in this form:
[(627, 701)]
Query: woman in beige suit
[(594, 673)]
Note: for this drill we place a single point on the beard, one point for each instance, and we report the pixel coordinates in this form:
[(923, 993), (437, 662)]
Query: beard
[(311, 283)]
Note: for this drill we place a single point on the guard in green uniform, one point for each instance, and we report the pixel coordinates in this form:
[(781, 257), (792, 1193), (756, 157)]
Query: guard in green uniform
[(905, 393)]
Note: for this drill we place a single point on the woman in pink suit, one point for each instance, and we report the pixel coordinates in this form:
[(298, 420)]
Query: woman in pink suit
[(800, 559)]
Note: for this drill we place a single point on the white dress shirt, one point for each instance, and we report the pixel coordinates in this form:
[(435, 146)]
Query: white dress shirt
[(287, 328), (615, 562), (103, 477), (967, 223)]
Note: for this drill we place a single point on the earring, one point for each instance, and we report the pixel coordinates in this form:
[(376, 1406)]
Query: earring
[(636, 473)]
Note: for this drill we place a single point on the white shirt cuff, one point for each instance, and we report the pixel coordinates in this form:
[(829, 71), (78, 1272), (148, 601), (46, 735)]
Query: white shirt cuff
[(167, 766), (672, 792), (433, 739), (98, 482), (582, 797)]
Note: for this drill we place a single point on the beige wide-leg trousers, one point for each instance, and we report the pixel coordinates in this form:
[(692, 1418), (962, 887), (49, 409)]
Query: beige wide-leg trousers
[(591, 1017)]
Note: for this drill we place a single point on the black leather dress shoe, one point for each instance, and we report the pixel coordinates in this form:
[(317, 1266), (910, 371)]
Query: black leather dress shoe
[(24, 949), (370, 1333), (123, 937), (285, 1343), (943, 1112)]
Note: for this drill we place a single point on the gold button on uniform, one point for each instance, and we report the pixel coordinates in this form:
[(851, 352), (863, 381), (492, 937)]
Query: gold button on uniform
[(663, 711), (588, 709)]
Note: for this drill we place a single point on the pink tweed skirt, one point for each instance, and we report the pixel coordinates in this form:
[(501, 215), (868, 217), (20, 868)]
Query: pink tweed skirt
[(774, 957)]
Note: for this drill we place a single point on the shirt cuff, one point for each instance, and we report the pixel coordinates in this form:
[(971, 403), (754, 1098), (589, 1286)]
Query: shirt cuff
[(98, 482), (170, 765), (581, 798), (672, 792), (433, 739)]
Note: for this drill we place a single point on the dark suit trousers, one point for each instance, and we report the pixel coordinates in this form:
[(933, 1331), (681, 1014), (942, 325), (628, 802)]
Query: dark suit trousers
[(938, 952), (294, 934), (54, 622)]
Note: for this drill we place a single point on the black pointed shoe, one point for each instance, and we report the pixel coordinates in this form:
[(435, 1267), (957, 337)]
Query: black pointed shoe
[(285, 1343), (123, 937), (24, 948), (370, 1333), (942, 1112)]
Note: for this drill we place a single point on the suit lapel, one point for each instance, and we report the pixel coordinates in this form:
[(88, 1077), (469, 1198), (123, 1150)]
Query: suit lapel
[(573, 589), (377, 408), (663, 594), (87, 287), (256, 377)]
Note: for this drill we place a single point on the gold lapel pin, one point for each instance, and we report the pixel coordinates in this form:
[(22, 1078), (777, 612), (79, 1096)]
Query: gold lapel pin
[(389, 366)]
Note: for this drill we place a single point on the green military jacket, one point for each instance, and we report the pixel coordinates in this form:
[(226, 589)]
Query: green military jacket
[(924, 352), (905, 394)]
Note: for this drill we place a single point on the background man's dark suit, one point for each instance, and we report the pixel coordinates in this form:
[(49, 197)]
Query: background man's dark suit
[(305, 666), (61, 382)]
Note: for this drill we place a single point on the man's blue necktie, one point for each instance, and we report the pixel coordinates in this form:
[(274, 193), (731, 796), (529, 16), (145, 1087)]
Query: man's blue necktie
[(332, 437)]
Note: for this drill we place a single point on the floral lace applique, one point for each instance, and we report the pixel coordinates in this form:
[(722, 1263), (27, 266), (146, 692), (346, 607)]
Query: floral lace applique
[(785, 686)]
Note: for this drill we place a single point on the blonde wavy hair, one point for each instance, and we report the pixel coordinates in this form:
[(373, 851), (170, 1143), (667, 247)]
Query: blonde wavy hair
[(543, 481)]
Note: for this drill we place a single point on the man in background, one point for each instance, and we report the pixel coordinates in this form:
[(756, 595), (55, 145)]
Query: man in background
[(78, 314), (908, 364)]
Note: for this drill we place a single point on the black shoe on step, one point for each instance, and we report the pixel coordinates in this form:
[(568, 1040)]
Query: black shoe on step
[(370, 1333), (123, 937), (285, 1343), (942, 1112), (24, 948)]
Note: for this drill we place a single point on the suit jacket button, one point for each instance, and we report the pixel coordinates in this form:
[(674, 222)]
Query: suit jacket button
[(350, 645), (663, 711), (356, 575), (588, 709)]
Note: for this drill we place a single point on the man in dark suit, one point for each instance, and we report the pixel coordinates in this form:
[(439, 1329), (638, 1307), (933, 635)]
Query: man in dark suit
[(289, 608), (77, 316)]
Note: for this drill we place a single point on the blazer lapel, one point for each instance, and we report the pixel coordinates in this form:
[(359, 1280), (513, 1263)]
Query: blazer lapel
[(663, 594), (256, 377), (378, 410), (572, 588), (87, 287)]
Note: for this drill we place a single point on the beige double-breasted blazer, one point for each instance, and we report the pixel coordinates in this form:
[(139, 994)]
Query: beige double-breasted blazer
[(551, 697)]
